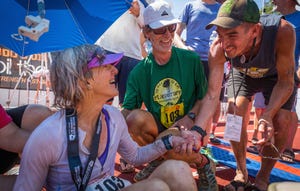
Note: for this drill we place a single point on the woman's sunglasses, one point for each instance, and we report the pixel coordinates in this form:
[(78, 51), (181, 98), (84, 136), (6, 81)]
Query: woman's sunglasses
[(95, 58)]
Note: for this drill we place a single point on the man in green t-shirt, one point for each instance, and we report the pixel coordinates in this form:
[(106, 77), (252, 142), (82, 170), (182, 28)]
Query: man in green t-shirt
[(171, 83)]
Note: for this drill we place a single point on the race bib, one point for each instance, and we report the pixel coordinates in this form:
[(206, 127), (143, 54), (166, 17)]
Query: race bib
[(110, 183), (233, 128), (169, 114)]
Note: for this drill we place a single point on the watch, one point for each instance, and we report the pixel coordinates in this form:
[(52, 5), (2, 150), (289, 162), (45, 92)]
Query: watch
[(191, 115), (199, 130)]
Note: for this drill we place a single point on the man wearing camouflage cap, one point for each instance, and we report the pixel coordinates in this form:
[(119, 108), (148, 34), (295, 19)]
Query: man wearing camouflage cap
[(261, 53)]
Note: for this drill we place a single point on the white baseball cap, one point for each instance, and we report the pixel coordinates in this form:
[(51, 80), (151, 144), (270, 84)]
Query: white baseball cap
[(159, 14)]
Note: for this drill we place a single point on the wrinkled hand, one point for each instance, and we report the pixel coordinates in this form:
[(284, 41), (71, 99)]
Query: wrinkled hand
[(266, 129), (178, 142), (135, 8), (190, 144), (184, 123)]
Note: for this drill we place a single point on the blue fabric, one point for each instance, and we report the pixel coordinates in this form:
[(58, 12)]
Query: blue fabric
[(125, 66), (144, 3), (196, 15), (72, 23), (294, 19), (227, 158)]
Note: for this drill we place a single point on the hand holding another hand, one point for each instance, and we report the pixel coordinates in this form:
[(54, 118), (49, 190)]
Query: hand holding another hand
[(186, 143)]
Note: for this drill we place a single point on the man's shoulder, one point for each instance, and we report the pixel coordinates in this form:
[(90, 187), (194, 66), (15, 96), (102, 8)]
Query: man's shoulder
[(285, 29), (285, 38)]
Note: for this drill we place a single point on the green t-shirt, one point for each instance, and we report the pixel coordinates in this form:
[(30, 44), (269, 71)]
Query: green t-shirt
[(169, 91)]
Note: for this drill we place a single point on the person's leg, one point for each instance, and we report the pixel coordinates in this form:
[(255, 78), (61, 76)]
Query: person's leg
[(176, 174), (27, 118), (288, 154), (258, 113), (143, 129), (171, 175), (259, 105), (293, 130), (142, 126), (280, 123), (242, 108), (205, 166), (148, 185), (35, 114), (241, 89)]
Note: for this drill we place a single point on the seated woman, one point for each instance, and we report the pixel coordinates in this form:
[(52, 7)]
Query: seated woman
[(75, 148)]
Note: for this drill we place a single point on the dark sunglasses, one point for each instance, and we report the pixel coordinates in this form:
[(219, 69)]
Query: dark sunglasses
[(95, 58), (163, 30)]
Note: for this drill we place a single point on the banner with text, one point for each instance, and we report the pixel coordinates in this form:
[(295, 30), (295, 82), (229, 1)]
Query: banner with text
[(29, 73)]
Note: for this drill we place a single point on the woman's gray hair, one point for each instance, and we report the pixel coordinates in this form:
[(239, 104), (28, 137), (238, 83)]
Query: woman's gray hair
[(69, 72)]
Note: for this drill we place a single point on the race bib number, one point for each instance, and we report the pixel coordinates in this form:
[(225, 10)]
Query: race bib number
[(110, 183), (170, 113), (233, 128)]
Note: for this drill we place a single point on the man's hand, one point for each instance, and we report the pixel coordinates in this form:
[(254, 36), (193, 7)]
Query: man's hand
[(135, 8), (265, 127), (190, 145), (184, 123)]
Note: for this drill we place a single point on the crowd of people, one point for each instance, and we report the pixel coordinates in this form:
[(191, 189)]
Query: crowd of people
[(169, 101)]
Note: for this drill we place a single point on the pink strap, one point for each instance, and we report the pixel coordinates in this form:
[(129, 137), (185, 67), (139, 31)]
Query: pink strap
[(4, 117)]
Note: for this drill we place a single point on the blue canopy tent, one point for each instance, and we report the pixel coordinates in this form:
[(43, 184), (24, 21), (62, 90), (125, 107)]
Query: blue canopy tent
[(64, 23)]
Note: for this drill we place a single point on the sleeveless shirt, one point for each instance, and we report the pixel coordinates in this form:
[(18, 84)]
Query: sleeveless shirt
[(264, 63)]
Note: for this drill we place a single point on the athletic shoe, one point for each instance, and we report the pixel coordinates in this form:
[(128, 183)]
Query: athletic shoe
[(214, 140), (207, 179), (207, 152), (145, 173)]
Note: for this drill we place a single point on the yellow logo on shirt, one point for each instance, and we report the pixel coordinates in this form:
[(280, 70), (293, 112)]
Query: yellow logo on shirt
[(167, 93)]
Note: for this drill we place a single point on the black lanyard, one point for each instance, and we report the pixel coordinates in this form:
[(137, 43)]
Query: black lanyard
[(235, 94), (81, 180)]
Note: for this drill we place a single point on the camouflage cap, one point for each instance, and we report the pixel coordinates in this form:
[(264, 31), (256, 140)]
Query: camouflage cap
[(234, 12)]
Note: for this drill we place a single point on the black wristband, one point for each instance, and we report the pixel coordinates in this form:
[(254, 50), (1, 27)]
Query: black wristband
[(166, 141), (191, 115), (199, 130)]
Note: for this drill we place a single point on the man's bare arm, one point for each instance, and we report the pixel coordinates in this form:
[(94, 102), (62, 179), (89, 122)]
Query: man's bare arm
[(209, 104), (285, 64), (177, 37)]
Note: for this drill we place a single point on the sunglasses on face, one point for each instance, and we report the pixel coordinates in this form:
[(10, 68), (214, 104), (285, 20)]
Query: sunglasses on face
[(96, 58), (163, 30)]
